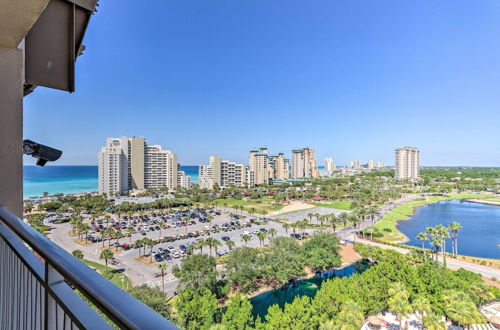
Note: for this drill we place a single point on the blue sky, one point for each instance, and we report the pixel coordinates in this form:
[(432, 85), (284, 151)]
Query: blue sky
[(352, 79)]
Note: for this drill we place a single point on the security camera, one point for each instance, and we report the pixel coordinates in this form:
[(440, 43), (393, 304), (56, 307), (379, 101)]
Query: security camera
[(43, 153)]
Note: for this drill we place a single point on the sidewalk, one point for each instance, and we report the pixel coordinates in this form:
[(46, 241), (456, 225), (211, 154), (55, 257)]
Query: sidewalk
[(451, 263)]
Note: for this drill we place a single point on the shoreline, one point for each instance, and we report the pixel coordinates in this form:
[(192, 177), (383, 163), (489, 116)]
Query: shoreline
[(402, 214), (483, 201), (352, 260)]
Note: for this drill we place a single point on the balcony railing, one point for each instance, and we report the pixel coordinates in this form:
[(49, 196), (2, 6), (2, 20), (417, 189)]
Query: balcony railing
[(37, 291)]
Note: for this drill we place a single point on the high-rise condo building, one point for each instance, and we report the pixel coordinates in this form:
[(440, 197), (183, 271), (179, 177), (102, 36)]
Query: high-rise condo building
[(183, 180), (250, 177), (304, 164), (371, 164), (380, 164), (259, 164), (279, 167), (222, 173), (407, 165), (113, 167), (160, 168), (130, 163), (329, 165), (210, 175), (355, 164)]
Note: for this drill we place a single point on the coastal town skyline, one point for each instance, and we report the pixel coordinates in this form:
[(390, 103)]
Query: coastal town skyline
[(351, 90)]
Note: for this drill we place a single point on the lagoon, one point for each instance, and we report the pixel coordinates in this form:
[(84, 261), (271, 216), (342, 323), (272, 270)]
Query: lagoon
[(479, 237), (306, 287)]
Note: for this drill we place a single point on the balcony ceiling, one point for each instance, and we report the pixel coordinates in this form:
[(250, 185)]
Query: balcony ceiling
[(16, 19)]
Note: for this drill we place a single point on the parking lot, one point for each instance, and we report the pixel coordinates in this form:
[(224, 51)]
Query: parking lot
[(141, 273), (178, 231)]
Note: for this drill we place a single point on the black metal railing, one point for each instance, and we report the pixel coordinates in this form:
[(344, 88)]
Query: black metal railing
[(38, 292)]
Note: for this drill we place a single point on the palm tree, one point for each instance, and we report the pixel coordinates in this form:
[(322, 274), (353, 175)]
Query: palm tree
[(246, 238), (310, 216), (262, 236), (216, 244), (350, 317), (201, 244), (163, 225), (190, 249), (106, 254), (117, 235), (129, 232), (434, 240), (454, 227), (398, 302), (333, 221), (139, 244), (78, 254), (162, 266), (106, 218), (321, 219), (230, 244), (344, 217), (109, 234), (433, 322), (459, 308), (422, 306), (286, 226), (373, 212), (85, 228), (210, 218), (443, 234), (354, 217), (150, 244), (210, 242), (272, 232), (422, 237)]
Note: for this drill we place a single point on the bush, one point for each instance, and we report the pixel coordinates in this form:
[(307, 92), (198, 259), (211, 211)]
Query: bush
[(377, 235), (387, 230)]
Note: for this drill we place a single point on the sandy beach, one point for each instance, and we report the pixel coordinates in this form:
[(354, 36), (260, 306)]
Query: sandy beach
[(295, 206)]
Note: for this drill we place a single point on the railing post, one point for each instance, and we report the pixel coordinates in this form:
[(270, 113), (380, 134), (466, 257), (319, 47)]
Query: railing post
[(52, 277)]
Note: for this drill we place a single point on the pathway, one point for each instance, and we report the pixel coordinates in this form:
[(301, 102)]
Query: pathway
[(453, 264)]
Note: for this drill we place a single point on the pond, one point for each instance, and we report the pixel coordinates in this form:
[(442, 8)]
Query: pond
[(306, 287), (480, 236)]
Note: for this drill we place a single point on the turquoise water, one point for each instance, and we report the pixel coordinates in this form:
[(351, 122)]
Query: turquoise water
[(307, 287), (479, 237), (69, 179)]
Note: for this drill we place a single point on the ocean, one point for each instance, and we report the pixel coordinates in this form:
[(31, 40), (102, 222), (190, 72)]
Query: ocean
[(74, 179), (70, 179)]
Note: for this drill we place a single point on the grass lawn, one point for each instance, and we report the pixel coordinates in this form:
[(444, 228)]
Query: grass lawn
[(404, 212), (111, 274), (339, 205), (261, 206)]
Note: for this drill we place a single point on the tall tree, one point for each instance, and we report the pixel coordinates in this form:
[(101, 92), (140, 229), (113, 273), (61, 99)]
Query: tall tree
[(162, 266), (350, 317), (195, 271), (398, 302), (197, 309), (238, 314), (106, 254)]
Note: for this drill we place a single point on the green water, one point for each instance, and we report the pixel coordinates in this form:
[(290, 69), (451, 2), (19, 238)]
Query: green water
[(307, 287)]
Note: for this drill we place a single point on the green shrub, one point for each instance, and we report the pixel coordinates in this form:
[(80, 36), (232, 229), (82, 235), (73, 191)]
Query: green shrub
[(387, 230), (377, 235)]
